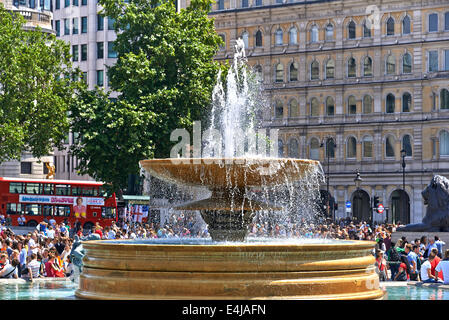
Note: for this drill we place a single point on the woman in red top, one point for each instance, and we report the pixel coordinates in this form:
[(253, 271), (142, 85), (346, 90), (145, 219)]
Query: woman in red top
[(434, 264), (381, 268), (51, 267), (402, 274)]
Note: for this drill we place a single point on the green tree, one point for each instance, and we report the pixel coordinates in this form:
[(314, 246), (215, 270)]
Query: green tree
[(36, 89), (164, 76)]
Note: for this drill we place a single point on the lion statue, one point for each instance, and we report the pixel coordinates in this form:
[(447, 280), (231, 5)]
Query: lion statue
[(436, 197)]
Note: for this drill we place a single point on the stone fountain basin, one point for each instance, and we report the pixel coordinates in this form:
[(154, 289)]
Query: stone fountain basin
[(221, 173), (205, 269)]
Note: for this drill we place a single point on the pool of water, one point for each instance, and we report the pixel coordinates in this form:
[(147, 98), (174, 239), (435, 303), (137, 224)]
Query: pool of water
[(416, 293), (37, 290)]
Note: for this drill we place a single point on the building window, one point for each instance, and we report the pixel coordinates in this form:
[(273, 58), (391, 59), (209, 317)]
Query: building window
[(294, 71), (83, 24), (75, 26), (100, 50), (259, 39), (111, 50), (314, 107), (244, 3), (66, 3), (352, 68), (279, 73), (220, 4), (314, 34), (351, 30), (367, 144), (294, 109), (280, 148), (278, 37), (367, 104), (390, 103), (406, 102), (330, 148), (329, 32), (293, 149), (314, 152), (446, 21), (444, 99), (366, 30), (352, 105), (75, 2), (66, 27), (389, 147), (407, 145), (111, 22), (433, 22), (245, 38), (390, 26), (367, 67), (58, 28), (293, 36), (223, 38), (258, 71), (25, 167), (351, 148), (75, 55), (314, 70), (446, 60), (330, 106), (330, 69), (100, 78), (57, 4), (278, 110), (259, 2), (100, 22), (84, 77), (444, 143), (391, 65), (84, 2), (407, 63), (433, 61), (84, 52), (406, 25)]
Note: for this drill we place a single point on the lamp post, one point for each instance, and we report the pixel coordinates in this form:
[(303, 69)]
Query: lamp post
[(358, 181), (69, 154), (403, 154), (329, 142)]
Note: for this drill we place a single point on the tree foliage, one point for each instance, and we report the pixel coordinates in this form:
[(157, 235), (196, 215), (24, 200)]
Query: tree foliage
[(164, 76), (36, 89)]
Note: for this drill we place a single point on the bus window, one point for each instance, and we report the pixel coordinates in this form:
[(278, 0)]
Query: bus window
[(77, 191), (62, 211), (32, 188), (47, 210), (46, 188), (32, 209), (108, 213), (62, 190), (16, 187), (13, 208), (96, 192), (88, 191), (102, 192)]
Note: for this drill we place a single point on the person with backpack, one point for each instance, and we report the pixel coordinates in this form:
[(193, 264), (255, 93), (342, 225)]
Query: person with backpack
[(402, 274), (394, 260)]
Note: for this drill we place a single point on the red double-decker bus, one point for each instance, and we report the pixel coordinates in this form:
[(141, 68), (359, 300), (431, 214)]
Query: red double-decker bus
[(62, 200)]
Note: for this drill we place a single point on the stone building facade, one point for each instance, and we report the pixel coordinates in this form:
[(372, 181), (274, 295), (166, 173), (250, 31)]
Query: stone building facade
[(371, 76)]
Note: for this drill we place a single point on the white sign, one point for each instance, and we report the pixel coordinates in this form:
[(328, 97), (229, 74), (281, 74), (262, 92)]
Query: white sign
[(67, 200)]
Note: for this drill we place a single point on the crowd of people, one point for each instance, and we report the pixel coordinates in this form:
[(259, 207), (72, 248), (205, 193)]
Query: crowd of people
[(45, 251)]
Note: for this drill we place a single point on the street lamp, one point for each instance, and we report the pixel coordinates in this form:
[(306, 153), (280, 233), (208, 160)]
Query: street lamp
[(69, 154), (329, 143), (403, 154)]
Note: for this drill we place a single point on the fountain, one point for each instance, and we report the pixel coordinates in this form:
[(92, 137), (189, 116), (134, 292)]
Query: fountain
[(229, 265)]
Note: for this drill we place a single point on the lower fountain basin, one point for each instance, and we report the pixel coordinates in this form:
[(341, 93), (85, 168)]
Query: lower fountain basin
[(205, 269)]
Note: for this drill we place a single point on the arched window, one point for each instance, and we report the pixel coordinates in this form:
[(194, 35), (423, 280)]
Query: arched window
[(314, 70), (330, 147), (406, 25), (259, 41), (258, 71), (279, 37), (406, 102), (294, 71), (444, 99), (314, 34), (390, 26), (280, 148), (330, 69), (352, 105), (367, 67), (352, 68), (314, 107), (391, 65), (433, 22), (444, 143), (351, 147), (329, 32), (278, 109), (367, 104), (223, 38), (367, 146), (314, 152), (294, 108), (407, 145), (293, 148), (407, 63), (330, 106), (389, 147), (245, 37), (279, 72), (293, 36), (366, 29), (390, 103), (351, 30)]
